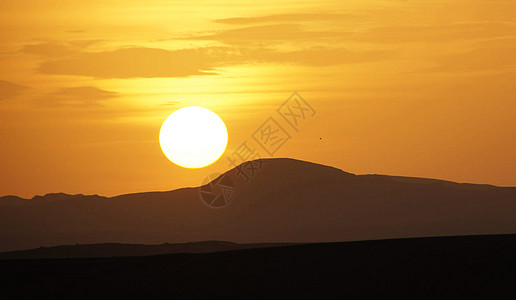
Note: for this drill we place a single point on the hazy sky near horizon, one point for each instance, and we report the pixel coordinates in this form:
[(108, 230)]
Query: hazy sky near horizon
[(414, 88)]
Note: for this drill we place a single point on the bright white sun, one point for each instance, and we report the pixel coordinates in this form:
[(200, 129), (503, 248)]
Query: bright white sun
[(193, 137)]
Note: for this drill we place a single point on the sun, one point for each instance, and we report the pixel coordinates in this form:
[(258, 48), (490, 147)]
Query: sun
[(193, 137)]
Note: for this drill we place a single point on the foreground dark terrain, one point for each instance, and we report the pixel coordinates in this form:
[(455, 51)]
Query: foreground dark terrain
[(443, 267)]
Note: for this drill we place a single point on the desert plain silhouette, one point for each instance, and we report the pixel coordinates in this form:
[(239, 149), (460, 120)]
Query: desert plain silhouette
[(422, 268)]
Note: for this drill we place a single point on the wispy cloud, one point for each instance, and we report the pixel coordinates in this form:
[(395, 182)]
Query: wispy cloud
[(137, 62), (264, 33), (76, 96), (300, 17), (10, 90), (155, 62), (436, 33), (58, 49), (316, 56), (481, 59)]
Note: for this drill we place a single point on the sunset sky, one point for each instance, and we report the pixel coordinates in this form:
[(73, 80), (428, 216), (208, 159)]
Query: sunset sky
[(414, 88)]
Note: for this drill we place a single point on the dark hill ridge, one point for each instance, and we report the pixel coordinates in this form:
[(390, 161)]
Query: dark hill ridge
[(287, 201), (125, 250), (470, 267)]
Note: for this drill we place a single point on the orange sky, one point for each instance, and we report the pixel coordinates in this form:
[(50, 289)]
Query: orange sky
[(416, 88)]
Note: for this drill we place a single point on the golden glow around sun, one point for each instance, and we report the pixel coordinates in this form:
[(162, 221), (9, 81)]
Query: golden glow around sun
[(193, 137)]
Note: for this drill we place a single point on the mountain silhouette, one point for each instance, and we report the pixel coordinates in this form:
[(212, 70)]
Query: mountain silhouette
[(285, 201)]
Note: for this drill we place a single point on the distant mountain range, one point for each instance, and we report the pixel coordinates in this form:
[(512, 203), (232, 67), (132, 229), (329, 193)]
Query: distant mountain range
[(286, 201), (130, 250)]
